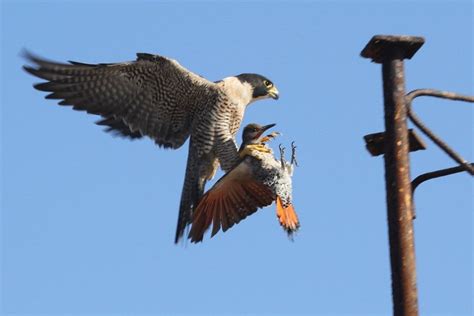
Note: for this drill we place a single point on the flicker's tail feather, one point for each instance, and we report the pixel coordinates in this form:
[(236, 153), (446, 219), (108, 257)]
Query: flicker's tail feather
[(287, 217), (193, 189)]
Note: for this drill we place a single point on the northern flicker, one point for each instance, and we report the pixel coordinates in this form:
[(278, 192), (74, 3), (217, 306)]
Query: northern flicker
[(256, 181), (155, 96)]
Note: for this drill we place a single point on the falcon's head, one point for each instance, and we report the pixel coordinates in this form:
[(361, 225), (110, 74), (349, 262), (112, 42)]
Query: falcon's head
[(262, 87)]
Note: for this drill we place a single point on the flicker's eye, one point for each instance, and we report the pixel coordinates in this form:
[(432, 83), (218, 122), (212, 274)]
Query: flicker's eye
[(267, 84)]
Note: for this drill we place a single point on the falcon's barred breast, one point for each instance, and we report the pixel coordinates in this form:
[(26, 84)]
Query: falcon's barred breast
[(155, 96)]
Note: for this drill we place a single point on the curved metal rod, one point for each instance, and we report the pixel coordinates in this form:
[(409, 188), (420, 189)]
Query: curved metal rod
[(438, 94), (435, 174), (445, 95)]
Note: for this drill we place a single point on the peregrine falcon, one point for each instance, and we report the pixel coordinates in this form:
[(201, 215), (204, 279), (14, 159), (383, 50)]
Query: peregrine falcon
[(256, 181), (155, 96)]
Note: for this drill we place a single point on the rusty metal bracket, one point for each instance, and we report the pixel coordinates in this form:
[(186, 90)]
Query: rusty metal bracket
[(436, 174), (438, 141), (375, 143)]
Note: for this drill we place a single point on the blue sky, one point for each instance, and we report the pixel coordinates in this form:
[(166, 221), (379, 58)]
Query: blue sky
[(88, 220)]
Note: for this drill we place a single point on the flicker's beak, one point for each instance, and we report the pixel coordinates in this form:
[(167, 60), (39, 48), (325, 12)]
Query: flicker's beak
[(264, 128), (273, 93)]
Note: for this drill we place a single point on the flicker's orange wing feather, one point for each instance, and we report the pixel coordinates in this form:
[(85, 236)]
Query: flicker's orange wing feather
[(230, 200)]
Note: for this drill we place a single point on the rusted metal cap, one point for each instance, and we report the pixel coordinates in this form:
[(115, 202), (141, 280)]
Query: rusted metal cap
[(384, 47)]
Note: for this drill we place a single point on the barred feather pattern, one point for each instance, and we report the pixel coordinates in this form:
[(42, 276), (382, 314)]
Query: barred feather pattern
[(153, 96), (215, 144)]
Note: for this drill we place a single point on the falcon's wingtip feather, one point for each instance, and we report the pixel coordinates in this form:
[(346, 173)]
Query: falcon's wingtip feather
[(27, 54), (38, 60)]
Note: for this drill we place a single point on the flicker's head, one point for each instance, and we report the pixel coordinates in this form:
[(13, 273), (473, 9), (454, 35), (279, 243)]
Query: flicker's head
[(252, 132), (262, 87)]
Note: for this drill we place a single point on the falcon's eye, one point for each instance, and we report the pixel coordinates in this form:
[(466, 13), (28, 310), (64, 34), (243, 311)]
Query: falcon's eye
[(267, 84)]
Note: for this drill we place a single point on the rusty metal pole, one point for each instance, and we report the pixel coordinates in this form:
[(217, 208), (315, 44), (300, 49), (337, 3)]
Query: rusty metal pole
[(390, 51)]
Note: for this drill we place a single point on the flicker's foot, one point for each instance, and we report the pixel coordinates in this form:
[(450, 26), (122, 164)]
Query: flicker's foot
[(293, 154), (249, 149), (282, 155)]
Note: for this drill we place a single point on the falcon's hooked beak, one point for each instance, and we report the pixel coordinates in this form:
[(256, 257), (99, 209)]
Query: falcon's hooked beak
[(273, 93)]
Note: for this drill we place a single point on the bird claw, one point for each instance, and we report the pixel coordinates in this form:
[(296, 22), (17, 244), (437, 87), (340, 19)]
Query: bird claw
[(282, 155), (293, 154), (260, 148), (249, 149)]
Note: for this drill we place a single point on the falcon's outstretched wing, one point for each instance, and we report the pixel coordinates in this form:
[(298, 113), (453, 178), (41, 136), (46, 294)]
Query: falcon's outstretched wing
[(234, 197), (153, 96)]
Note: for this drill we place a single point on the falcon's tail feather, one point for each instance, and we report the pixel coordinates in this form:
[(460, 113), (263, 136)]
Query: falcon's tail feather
[(287, 217), (193, 189)]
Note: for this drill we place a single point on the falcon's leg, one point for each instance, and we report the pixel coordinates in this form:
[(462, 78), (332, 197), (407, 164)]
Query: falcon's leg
[(293, 154), (227, 153)]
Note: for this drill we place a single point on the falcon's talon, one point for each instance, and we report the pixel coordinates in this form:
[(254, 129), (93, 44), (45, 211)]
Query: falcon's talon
[(249, 150), (260, 148)]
